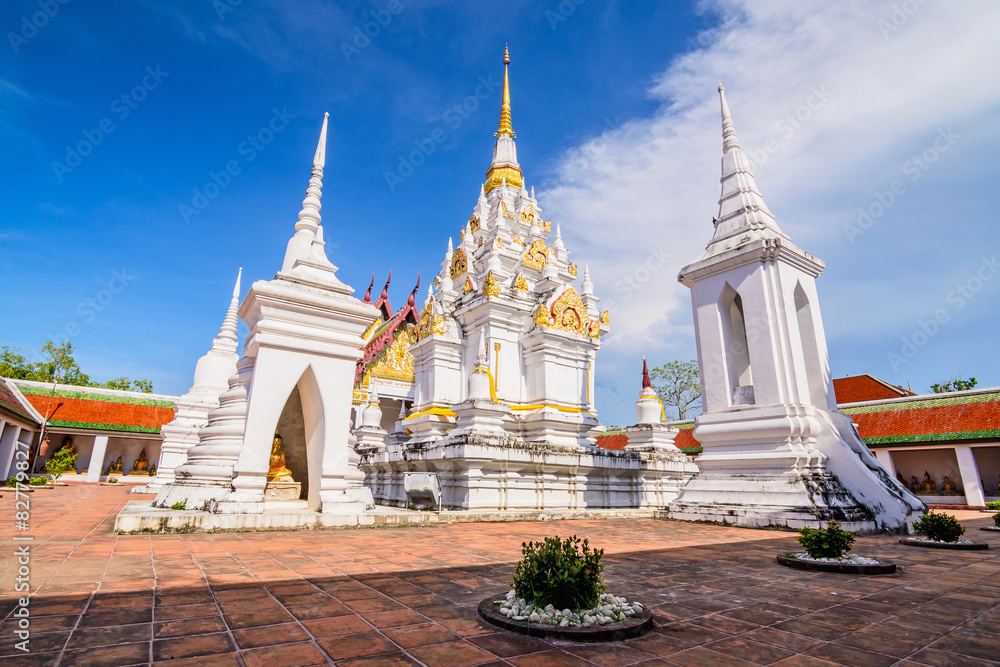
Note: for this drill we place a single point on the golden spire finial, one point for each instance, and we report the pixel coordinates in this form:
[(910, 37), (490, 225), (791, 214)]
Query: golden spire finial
[(505, 125)]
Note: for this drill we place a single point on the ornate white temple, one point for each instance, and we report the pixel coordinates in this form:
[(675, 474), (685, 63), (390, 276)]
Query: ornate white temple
[(504, 355)]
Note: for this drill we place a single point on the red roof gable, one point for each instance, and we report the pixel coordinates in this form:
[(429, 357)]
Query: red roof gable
[(73, 407), (858, 388), (10, 402)]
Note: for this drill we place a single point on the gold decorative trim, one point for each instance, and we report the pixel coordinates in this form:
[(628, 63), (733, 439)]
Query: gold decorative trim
[(536, 256), (459, 263), (568, 314), (480, 243), (499, 243), (474, 222), (491, 286), (468, 288), (496, 175), (520, 283), (572, 269), (548, 226), (606, 318), (517, 240), (443, 412), (429, 324)]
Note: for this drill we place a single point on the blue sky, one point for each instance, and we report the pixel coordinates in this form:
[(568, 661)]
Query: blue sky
[(616, 114)]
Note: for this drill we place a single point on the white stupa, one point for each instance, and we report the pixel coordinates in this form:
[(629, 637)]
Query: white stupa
[(211, 378), (777, 452), (294, 380)]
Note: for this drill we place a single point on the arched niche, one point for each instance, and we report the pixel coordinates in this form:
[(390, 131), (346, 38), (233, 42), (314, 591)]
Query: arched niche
[(302, 427), (737, 351), (810, 348)]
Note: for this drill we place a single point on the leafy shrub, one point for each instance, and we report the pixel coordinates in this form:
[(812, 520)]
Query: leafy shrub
[(831, 542), (996, 519), (563, 573), (993, 505), (937, 526), (38, 481), (12, 482), (112, 480), (61, 463), (179, 505)]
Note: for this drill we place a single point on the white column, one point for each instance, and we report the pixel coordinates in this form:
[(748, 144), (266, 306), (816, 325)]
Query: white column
[(96, 466), (884, 457), (8, 445), (969, 471), (5, 455)]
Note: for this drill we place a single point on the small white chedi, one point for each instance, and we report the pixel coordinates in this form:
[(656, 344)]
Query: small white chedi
[(504, 358), (777, 452), (211, 378), (295, 374)]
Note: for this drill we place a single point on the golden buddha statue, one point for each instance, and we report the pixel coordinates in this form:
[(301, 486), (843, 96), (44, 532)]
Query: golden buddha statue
[(141, 465), (948, 487), (115, 467), (929, 485), (277, 472), (67, 443)]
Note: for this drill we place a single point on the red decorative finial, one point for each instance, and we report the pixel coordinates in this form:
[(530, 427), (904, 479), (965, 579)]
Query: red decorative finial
[(368, 294), (413, 295), (646, 382), (385, 290)]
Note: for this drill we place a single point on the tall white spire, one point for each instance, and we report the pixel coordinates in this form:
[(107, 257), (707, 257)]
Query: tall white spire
[(743, 215), (227, 341), (309, 218)]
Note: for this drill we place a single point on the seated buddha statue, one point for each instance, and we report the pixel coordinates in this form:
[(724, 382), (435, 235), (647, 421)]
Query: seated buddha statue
[(929, 485), (277, 472), (948, 487), (115, 467), (915, 485), (141, 465), (67, 443)]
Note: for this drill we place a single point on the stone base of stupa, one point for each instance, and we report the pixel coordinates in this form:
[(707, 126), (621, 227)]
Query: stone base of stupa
[(502, 472), (790, 467), (140, 517)]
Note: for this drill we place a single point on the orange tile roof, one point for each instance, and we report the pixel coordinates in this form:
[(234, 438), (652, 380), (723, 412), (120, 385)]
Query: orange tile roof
[(73, 408), (966, 416), (858, 388)]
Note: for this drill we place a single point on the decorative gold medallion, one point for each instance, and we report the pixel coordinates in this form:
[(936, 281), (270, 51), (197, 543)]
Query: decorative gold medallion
[(480, 244), (535, 256), (606, 318), (568, 314), (517, 240), (548, 226), (491, 286), (474, 222), (572, 269), (459, 263)]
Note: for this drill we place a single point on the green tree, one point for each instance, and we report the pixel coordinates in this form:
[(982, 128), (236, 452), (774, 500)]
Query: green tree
[(59, 361), (61, 462), (677, 386), (955, 384)]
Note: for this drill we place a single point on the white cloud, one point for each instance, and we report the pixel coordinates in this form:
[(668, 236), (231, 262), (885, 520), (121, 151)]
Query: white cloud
[(881, 83)]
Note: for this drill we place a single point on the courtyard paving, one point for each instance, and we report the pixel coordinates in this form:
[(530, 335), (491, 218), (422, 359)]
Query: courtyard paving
[(404, 596)]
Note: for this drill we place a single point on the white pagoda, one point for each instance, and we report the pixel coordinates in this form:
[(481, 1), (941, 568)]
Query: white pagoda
[(504, 356), (777, 452)]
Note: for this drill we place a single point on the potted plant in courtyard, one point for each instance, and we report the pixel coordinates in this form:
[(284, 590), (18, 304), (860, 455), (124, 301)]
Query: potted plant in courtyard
[(938, 530), (557, 591), (996, 523), (826, 551)]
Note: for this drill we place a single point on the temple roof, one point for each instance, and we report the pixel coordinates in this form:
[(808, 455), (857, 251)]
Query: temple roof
[(961, 415), (856, 388), (99, 409), (383, 331), (15, 404)]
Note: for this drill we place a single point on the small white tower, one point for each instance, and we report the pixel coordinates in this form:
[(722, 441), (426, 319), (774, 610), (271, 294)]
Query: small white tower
[(776, 450)]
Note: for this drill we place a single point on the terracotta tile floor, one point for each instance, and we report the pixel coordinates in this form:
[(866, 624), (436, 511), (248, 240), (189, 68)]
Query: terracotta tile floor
[(408, 596)]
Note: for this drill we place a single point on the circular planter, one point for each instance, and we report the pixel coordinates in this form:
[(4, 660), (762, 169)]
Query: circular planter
[(994, 529), (958, 546), (882, 567), (635, 626)]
